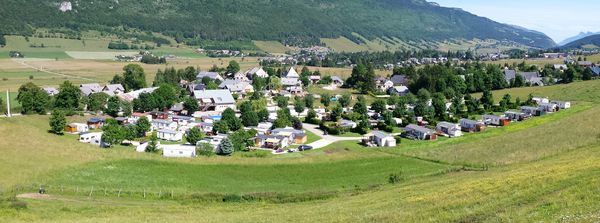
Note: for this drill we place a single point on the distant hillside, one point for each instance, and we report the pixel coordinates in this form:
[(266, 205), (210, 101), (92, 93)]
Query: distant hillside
[(579, 36), (592, 41), (288, 21)]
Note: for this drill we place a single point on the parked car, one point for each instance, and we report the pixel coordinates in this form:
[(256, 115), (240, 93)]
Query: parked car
[(291, 150), (304, 147)]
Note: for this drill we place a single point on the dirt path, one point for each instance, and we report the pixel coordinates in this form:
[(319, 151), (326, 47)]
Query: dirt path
[(36, 196), (41, 69)]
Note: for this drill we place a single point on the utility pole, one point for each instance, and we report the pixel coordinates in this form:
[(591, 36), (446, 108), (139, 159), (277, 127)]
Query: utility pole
[(8, 104)]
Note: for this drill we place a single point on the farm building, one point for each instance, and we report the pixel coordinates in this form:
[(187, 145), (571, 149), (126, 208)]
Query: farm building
[(211, 75), (178, 151), (76, 127), (495, 120), (381, 139), (169, 135), (449, 129), (420, 133), (562, 104), (468, 125)]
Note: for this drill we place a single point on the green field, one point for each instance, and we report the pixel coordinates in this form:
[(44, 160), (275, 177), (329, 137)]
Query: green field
[(271, 47), (544, 169)]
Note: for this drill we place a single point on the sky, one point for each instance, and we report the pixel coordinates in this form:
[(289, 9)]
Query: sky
[(559, 19)]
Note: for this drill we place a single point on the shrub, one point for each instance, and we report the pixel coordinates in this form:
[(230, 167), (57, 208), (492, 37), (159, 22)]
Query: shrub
[(205, 149), (256, 154), (395, 178)]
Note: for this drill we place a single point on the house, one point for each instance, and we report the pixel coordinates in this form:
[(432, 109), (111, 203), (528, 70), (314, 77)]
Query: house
[(271, 141), (314, 79), (169, 135), (95, 123), (195, 87), (585, 63), (548, 107), (295, 136), (540, 100), (295, 90), (264, 127), (177, 108), (159, 115), (51, 91), (495, 120), (130, 96), (182, 120), (206, 127), (215, 100), (159, 124), (88, 89), (562, 104), (286, 81), (381, 139), (137, 115), (532, 111), (237, 87), (516, 116), (347, 124), (113, 89), (239, 76), (449, 129), (76, 127), (122, 120), (509, 75), (89, 137), (292, 73), (560, 67), (468, 125), (398, 90), (258, 71), (335, 80), (532, 78), (383, 84), (178, 151), (420, 133), (399, 80), (212, 75)]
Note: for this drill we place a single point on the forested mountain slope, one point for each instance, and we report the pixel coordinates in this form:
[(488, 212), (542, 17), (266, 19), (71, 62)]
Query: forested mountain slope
[(282, 20)]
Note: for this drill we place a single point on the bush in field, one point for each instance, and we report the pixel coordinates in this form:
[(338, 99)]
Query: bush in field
[(205, 149), (395, 178)]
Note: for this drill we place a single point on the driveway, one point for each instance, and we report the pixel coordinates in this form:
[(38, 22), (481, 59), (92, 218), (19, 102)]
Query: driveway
[(325, 139)]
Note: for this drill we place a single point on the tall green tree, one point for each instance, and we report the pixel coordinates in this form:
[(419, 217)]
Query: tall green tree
[(325, 99), (165, 96), (68, 96), (113, 106), (97, 101), (143, 126), (233, 67), (233, 122), (190, 105), (32, 98), (225, 148), (194, 135), (57, 122), (345, 100), (439, 104), (113, 133), (134, 77), (379, 106)]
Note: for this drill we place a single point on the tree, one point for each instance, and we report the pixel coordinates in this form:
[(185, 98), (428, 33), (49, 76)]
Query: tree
[(67, 97), (296, 123), (299, 105), (471, 103), (225, 148), (145, 102), (112, 133), (309, 101), (165, 96), (519, 81), (113, 106), (57, 122), (97, 101), (363, 126), (188, 74), (274, 83), (379, 106), (142, 126), (220, 127), (194, 135), (32, 98), (439, 104), (505, 102), (345, 100), (487, 99), (282, 102), (130, 132), (233, 122), (336, 113), (325, 99), (190, 105), (263, 115), (233, 67), (127, 108), (134, 77), (360, 108), (311, 116), (248, 116), (152, 144), (242, 139), (283, 118), (204, 149)]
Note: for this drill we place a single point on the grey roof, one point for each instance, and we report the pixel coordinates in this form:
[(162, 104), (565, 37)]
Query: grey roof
[(211, 75), (289, 81), (177, 107), (234, 85), (509, 74), (263, 136), (379, 134), (469, 121), (88, 89), (113, 87), (336, 78), (162, 121), (294, 131), (585, 63), (292, 73), (529, 75), (446, 124), (399, 80), (182, 117), (419, 129), (217, 96)]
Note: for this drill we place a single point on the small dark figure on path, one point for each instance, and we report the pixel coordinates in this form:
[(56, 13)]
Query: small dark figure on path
[(42, 190)]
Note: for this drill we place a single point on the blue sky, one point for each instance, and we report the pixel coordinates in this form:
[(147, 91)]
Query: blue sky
[(558, 19)]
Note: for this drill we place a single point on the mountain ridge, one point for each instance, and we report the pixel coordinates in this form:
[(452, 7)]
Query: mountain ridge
[(268, 20), (581, 43)]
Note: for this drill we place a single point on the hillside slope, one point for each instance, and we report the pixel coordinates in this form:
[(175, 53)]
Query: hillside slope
[(579, 36), (592, 41), (282, 20)]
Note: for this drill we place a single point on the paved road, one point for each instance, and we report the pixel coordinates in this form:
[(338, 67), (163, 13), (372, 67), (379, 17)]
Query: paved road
[(326, 139)]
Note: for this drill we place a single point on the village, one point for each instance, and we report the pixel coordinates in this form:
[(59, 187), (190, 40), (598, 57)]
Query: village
[(234, 116)]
